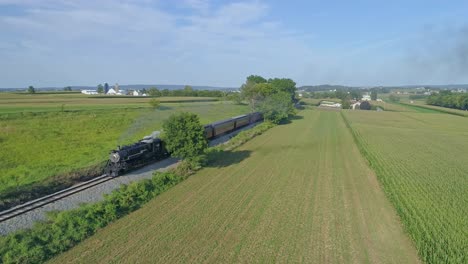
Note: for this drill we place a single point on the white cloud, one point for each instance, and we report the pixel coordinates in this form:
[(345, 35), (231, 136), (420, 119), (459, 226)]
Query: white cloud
[(144, 43)]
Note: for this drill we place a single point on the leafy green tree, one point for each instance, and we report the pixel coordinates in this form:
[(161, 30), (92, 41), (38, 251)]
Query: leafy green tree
[(373, 95), (184, 136), (100, 89), (284, 85), (277, 107), (154, 103), (67, 88), (153, 91), (256, 92), (31, 89), (254, 79), (365, 106)]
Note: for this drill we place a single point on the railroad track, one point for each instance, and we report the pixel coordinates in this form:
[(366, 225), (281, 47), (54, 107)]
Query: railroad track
[(31, 205)]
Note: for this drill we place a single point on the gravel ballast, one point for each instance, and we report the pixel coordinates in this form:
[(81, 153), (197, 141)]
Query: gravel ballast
[(96, 193)]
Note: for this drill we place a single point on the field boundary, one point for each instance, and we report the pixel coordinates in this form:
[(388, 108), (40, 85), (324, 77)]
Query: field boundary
[(442, 111)]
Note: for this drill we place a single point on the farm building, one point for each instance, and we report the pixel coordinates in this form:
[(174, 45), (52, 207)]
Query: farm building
[(330, 104), (89, 92), (366, 97)]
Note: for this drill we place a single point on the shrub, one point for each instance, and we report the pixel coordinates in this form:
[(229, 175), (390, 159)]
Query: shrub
[(154, 103), (184, 135), (365, 106)]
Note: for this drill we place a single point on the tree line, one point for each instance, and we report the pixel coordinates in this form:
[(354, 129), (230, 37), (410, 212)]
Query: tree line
[(449, 100), (275, 98)]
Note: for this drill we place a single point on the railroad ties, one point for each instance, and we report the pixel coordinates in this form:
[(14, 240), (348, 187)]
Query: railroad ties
[(31, 205)]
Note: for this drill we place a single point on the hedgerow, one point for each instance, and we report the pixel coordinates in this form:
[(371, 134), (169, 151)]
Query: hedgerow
[(65, 229)]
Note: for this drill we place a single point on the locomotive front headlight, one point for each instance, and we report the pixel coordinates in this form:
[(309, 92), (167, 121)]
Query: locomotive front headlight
[(114, 157)]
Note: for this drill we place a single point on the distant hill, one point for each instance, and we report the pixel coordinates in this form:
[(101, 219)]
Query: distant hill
[(129, 86), (328, 87), (325, 87)]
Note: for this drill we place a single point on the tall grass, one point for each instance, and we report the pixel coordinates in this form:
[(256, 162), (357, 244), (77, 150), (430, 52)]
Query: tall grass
[(41, 149)]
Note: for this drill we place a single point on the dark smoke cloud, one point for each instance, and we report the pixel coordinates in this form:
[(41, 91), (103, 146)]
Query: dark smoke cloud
[(440, 55)]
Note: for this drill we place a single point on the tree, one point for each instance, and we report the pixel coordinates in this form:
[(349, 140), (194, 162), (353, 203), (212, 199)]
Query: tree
[(277, 107), (153, 91), (256, 92), (355, 94), (373, 95), (284, 85), (184, 136), (154, 103), (345, 104), (106, 88), (31, 89), (254, 79), (100, 89), (394, 98), (365, 106), (68, 88), (235, 97), (188, 90), (165, 92)]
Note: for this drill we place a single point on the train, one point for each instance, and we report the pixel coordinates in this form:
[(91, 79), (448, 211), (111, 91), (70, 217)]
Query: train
[(152, 148)]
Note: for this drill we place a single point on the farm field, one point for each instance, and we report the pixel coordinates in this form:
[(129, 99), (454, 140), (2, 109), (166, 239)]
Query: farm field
[(421, 162), (298, 193), (40, 145), (47, 102), (422, 104)]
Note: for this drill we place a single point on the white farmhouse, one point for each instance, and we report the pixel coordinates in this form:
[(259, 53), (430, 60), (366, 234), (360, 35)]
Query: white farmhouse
[(366, 97)]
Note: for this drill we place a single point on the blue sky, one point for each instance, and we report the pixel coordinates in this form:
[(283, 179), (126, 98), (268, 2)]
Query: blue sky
[(219, 43)]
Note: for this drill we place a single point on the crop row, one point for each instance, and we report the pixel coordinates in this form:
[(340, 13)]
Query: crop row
[(423, 177)]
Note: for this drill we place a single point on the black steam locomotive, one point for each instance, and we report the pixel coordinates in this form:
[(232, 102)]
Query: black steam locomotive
[(152, 148)]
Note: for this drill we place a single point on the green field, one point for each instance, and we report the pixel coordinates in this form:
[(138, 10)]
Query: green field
[(298, 193), (436, 109), (421, 162), (41, 144), (51, 102)]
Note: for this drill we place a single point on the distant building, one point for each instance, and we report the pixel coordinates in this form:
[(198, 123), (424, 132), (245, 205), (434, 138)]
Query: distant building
[(366, 97), (116, 88), (136, 93), (89, 92), (330, 104), (111, 91), (356, 105)]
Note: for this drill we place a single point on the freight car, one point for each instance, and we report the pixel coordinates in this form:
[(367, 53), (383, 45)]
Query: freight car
[(152, 148)]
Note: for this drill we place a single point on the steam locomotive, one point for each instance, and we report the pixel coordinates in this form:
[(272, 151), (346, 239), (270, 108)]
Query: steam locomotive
[(151, 148)]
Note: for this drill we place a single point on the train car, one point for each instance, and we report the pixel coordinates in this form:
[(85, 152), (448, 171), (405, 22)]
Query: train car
[(150, 148), (255, 117), (222, 127), (241, 121)]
